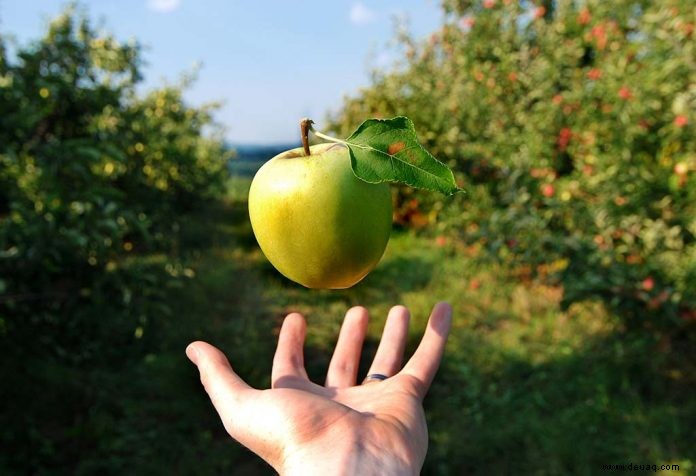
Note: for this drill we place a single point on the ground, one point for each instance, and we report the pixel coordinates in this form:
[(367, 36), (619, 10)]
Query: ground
[(524, 388)]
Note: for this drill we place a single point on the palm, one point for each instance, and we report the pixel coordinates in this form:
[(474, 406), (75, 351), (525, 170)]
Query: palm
[(297, 420), (385, 412)]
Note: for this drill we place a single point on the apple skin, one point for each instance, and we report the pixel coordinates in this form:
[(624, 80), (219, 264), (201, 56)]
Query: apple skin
[(315, 221)]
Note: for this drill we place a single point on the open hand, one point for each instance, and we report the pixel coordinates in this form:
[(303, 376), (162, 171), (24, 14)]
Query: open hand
[(343, 427)]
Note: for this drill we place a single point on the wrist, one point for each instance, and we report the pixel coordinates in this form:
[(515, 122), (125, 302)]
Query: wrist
[(349, 455)]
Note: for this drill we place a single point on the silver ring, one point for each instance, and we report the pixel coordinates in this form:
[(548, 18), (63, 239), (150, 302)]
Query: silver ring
[(379, 377)]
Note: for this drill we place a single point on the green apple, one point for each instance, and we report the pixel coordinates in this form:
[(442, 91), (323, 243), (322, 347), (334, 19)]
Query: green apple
[(315, 221)]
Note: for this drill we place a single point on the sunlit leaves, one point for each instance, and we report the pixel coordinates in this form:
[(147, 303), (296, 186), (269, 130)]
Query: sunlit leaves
[(565, 122)]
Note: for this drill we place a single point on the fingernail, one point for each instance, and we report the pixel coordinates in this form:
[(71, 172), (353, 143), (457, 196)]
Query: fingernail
[(192, 353), (447, 314)]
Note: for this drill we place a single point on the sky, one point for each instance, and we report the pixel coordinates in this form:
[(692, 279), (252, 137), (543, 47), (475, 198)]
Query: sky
[(270, 62)]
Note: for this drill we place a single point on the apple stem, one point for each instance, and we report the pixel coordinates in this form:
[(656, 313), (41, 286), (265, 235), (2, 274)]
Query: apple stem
[(305, 126)]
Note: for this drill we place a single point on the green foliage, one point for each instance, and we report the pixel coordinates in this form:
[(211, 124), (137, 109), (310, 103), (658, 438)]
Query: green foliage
[(90, 174), (571, 124), (92, 179)]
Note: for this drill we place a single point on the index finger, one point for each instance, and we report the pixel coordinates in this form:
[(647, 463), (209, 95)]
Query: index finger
[(289, 360), (424, 363)]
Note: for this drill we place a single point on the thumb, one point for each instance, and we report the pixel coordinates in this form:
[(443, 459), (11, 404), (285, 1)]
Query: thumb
[(231, 396)]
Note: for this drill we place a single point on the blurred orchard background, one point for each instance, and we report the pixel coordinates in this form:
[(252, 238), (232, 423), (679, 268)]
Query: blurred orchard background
[(570, 261)]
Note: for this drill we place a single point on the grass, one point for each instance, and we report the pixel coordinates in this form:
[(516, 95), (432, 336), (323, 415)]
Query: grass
[(524, 388)]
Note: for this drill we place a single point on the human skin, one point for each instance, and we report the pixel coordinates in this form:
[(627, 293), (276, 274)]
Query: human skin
[(315, 221), (341, 427)]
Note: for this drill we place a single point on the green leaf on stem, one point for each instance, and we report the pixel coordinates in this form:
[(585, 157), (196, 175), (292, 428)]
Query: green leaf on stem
[(387, 150)]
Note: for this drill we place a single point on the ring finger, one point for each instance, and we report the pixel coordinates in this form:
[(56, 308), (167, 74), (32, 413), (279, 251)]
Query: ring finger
[(390, 352)]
